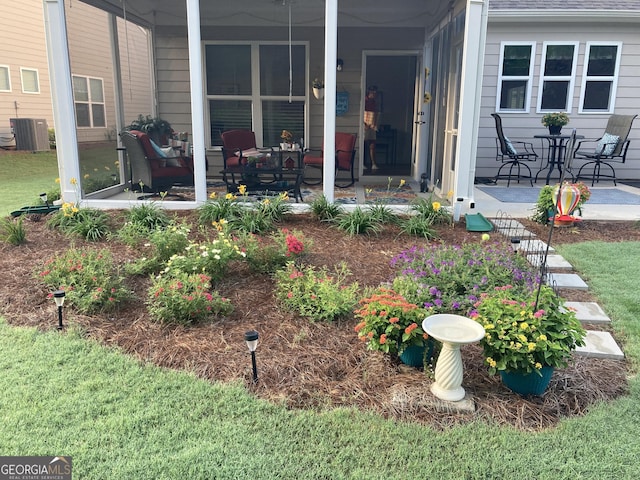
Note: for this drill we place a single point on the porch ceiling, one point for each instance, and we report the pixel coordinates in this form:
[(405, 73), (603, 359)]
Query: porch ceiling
[(260, 13)]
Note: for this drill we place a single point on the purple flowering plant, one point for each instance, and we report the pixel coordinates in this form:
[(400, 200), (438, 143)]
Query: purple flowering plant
[(451, 278)]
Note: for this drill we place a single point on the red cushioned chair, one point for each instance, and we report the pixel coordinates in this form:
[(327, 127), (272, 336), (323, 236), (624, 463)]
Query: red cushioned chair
[(345, 156), (148, 170), (234, 142)]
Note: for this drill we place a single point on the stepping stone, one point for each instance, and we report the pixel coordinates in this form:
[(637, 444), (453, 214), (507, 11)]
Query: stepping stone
[(567, 280), (554, 262), (588, 312), (534, 245), (600, 345)]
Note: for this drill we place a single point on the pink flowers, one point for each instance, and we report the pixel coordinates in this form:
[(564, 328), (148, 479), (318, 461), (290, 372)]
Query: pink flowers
[(294, 246)]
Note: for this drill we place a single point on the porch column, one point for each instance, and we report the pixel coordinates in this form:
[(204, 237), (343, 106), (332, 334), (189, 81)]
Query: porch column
[(475, 33), (197, 99), (64, 114), (330, 58)]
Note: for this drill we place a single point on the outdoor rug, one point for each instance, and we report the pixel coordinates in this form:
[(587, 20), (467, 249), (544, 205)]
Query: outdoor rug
[(599, 196)]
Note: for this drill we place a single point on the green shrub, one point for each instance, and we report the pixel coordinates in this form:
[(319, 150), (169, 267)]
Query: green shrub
[(88, 223), (211, 258), (322, 209), (185, 298), (316, 293), (252, 220), (162, 244), (383, 214), (275, 208), (431, 211), (358, 222), (418, 226), (12, 230), (218, 207), (267, 254), (148, 216), (89, 277)]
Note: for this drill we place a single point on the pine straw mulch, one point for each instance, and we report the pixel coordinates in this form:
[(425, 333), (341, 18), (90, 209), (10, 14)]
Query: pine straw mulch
[(311, 365)]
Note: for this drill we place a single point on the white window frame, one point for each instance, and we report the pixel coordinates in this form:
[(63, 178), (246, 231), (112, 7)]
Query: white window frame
[(256, 97), (91, 102), (570, 78), (528, 78), (26, 69), (8, 70), (613, 79)]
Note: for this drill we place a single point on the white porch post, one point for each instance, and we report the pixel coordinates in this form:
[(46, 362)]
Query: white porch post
[(330, 58), (64, 114), (197, 99), (475, 34)]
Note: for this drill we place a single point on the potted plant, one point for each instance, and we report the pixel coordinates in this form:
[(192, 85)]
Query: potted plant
[(158, 129), (525, 341), (318, 88), (544, 206), (391, 324), (555, 121)]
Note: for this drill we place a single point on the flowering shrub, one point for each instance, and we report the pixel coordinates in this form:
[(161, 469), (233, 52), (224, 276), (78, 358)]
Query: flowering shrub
[(450, 279), (266, 255), (88, 276), (315, 293), (185, 298), (389, 323), (162, 244), (211, 258), (557, 119), (519, 339)]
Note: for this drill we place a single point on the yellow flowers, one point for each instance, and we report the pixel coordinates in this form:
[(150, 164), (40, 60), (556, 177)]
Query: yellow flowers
[(212, 196), (542, 338), (436, 206), (73, 181), (491, 362), (402, 182), (532, 346), (242, 189), (485, 237), (229, 196)]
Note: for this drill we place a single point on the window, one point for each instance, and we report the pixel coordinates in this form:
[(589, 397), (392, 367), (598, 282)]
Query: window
[(5, 79), (514, 82), (30, 83), (600, 77), (248, 88), (557, 77), (88, 96)]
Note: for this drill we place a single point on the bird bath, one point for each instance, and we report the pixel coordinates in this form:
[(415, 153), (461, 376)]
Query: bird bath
[(453, 331)]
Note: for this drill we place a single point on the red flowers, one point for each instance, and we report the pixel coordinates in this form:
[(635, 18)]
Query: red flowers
[(294, 246)]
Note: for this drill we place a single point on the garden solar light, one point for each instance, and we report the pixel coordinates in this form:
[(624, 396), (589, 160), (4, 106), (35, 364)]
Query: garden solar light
[(515, 244), (43, 197), (251, 337), (58, 296)]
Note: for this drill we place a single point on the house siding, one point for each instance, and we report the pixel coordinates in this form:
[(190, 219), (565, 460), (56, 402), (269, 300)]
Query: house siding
[(523, 126), (22, 38), (23, 45)]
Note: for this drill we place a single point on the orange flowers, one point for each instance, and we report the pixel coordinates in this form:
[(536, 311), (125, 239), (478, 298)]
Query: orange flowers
[(383, 339), (410, 328)]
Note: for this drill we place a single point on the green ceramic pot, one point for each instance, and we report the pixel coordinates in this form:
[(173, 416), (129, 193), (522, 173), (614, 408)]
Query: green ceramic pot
[(527, 383)]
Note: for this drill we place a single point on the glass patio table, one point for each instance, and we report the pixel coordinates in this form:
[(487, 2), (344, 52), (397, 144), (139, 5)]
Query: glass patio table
[(555, 158)]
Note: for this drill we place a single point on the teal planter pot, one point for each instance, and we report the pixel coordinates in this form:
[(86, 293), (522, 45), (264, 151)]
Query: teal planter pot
[(527, 383), (414, 355)]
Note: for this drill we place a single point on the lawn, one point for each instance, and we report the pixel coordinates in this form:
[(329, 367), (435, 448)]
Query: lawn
[(122, 418)]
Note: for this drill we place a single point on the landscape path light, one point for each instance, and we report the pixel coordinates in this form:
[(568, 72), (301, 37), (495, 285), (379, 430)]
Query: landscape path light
[(515, 244), (58, 296), (251, 337)]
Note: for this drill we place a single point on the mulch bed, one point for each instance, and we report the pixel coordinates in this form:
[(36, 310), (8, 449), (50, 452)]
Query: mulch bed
[(304, 364)]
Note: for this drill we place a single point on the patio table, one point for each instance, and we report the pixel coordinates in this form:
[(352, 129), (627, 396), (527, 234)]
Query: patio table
[(555, 159)]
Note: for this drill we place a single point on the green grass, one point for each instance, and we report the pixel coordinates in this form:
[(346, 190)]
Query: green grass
[(64, 395), (24, 176)]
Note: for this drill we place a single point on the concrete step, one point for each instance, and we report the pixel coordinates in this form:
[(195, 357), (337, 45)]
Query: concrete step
[(567, 280), (554, 261), (600, 345), (588, 312)]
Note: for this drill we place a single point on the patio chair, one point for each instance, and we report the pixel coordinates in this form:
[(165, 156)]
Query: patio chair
[(345, 156), (610, 148), (511, 158), (235, 145), (149, 170)]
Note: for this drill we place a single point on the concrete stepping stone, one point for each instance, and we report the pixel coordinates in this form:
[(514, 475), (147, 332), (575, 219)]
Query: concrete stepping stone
[(534, 245), (600, 345), (567, 280), (588, 312), (554, 262)]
